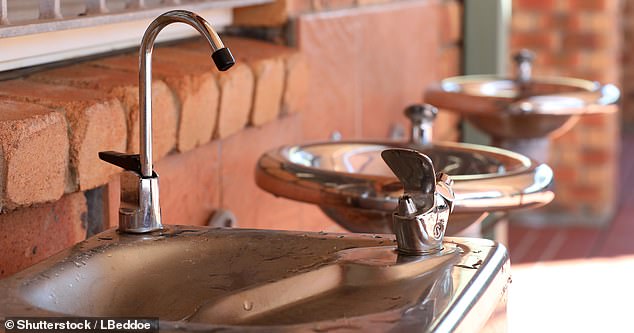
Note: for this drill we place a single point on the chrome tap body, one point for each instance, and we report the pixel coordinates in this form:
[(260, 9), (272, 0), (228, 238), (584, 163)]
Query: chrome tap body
[(421, 218), (421, 117), (140, 211), (524, 62)]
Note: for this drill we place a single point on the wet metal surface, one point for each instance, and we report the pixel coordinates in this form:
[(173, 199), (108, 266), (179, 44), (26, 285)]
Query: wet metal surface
[(201, 279)]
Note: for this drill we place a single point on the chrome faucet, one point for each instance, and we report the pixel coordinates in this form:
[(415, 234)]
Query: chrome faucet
[(421, 218), (140, 211), (421, 118), (524, 62)]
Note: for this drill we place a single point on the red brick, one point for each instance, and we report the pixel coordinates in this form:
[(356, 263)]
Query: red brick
[(593, 120), (545, 59), (592, 22), (322, 5), (565, 174), (240, 154), (296, 7), (534, 40), (96, 123), (526, 21), (267, 15), (124, 86), (267, 63), (537, 5), (597, 60), (196, 93), (584, 41), (236, 88), (370, 2), (587, 193), (297, 72), (297, 77), (190, 185), (447, 126), (332, 47), (594, 5), (578, 38), (389, 85), (111, 201), (450, 16), (29, 235), (253, 207), (34, 156), (597, 157), (557, 21), (450, 62)]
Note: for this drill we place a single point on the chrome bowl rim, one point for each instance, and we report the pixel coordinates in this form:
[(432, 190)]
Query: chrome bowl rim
[(449, 95), (527, 187)]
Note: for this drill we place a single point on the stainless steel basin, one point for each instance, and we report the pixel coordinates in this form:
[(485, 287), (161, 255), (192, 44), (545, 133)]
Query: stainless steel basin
[(512, 109), (200, 279), (353, 186)]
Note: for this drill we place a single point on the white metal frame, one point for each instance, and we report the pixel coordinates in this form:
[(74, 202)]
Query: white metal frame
[(53, 37)]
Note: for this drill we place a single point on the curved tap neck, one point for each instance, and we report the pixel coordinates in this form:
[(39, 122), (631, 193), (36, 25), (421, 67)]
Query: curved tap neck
[(145, 73)]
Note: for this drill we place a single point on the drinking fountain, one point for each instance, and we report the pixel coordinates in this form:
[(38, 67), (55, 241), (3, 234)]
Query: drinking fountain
[(522, 113), (351, 184), (196, 279)]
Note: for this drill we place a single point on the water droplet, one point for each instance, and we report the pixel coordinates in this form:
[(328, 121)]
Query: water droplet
[(341, 236), (247, 305), (109, 255), (377, 236), (70, 285)]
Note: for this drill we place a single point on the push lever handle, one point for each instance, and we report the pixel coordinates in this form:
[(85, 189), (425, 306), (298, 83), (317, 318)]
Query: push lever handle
[(130, 162), (421, 218), (413, 169)]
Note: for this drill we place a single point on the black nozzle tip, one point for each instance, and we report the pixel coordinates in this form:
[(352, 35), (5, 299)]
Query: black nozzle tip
[(524, 55), (223, 59), (420, 112)]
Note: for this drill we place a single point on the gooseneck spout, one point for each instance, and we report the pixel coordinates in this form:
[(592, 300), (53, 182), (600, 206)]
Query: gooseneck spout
[(220, 54), (140, 211)]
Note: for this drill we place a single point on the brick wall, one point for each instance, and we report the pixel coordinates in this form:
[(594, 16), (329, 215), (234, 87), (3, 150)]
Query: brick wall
[(628, 65), (580, 39), (210, 128)]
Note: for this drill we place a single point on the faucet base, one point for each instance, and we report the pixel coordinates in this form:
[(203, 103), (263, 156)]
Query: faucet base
[(140, 211)]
